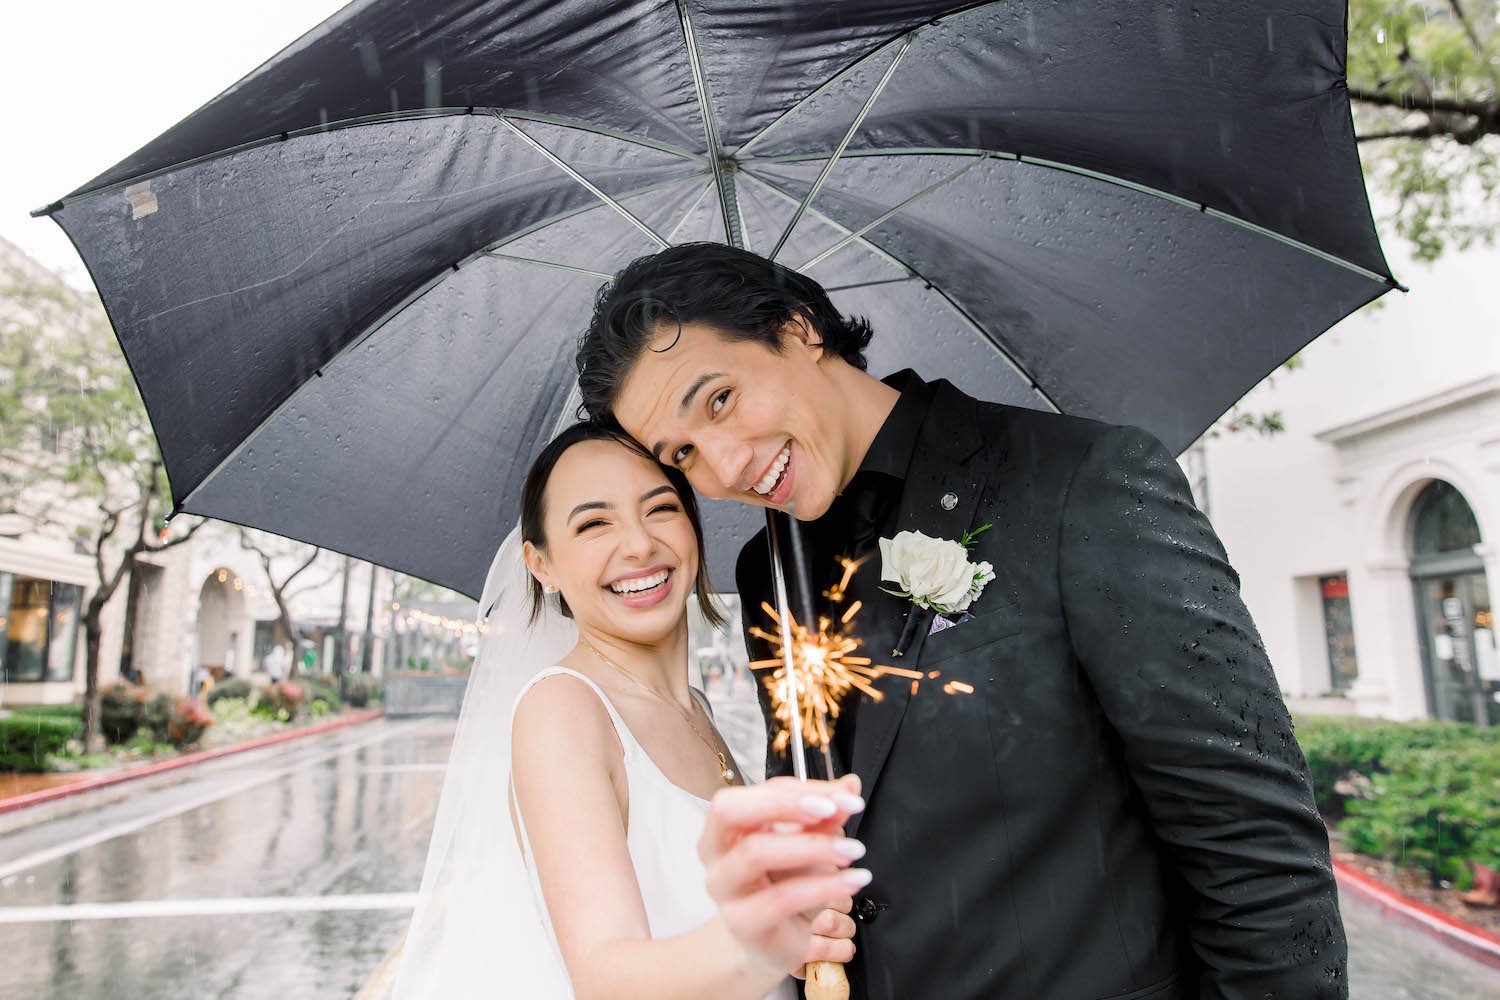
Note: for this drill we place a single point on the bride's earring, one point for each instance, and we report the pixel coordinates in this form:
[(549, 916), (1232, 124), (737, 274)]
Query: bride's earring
[(547, 588)]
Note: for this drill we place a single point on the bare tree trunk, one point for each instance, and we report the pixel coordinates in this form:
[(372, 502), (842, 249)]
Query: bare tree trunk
[(367, 648), (93, 699), (341, 647)]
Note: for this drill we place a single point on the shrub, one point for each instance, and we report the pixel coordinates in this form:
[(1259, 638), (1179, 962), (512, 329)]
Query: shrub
[(123, 711), (1337, 748), (71, 711), (322, 687), (1434, 807), (160, 709), (279, 700), (187, 722), (232, 687), (28, 741), (360, 690)]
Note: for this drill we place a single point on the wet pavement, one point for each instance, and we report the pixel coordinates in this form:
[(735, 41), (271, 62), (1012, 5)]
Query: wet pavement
[(291, 875)]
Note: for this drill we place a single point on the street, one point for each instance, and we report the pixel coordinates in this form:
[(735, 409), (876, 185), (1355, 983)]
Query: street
[(291, 875), (288, 876)]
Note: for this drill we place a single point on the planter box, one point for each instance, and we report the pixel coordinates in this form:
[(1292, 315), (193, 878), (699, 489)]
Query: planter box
[(424, 694)]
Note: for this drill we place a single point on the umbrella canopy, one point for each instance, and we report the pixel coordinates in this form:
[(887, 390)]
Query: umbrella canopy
[(351, 285)]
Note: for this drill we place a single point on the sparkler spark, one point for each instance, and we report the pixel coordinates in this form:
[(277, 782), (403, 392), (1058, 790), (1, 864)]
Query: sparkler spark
[(850, 567), (824, 670)]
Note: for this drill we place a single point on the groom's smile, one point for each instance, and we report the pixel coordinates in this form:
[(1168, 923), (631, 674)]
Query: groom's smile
[(744, 421)]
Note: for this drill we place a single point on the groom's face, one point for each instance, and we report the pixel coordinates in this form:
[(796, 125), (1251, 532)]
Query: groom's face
[(741, 420)]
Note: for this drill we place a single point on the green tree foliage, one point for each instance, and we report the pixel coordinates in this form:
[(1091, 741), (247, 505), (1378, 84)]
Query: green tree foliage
[(1424, 76), (76, 450)]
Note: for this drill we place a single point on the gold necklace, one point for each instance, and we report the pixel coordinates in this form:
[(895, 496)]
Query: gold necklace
[(725, 771)]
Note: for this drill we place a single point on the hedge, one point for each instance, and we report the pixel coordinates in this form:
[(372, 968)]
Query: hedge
[(1424, 795), (27, 741)]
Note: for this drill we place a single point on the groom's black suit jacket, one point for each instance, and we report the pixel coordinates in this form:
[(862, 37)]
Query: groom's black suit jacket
[(1119, 810)]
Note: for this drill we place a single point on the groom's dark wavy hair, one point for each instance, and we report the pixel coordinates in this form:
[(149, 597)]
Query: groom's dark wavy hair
[(534, 513), (740, 294)]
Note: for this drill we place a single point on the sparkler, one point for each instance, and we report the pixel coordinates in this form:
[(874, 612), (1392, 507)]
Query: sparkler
[(814, 667)]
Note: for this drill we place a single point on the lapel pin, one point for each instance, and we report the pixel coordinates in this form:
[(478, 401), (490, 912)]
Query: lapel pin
[(949, 501)]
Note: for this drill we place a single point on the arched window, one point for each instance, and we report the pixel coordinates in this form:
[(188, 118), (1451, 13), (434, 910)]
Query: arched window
[(1442, 521)]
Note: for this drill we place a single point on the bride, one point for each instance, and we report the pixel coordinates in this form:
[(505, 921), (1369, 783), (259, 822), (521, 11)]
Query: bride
[(595, 837)]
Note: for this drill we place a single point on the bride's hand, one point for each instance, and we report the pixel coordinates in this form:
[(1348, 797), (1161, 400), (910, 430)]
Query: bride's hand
[(777, 861), (833, 936)]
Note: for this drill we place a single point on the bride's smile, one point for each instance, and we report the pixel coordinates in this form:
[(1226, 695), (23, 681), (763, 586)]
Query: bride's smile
[(616, 542)]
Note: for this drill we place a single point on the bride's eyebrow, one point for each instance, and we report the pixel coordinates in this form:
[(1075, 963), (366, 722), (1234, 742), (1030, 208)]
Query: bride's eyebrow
[(589, 505)]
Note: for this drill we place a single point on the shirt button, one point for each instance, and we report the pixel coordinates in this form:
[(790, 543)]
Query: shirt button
[(866, 910), (949, 501)]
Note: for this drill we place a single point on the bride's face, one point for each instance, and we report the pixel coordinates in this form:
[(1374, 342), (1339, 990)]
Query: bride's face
[(619, 545)]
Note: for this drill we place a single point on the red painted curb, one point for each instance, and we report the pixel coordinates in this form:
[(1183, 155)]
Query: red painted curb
[(37, 798), (1477, 943)]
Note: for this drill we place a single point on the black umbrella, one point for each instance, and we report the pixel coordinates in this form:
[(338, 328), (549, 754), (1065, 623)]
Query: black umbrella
[(351, 284)]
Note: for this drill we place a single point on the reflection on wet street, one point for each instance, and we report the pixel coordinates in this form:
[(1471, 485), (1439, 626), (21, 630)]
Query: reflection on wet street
[(287, 876), (1389, 962), (291, 875)]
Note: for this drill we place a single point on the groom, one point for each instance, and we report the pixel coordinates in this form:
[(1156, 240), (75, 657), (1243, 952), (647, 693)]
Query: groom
[(1112, 804)]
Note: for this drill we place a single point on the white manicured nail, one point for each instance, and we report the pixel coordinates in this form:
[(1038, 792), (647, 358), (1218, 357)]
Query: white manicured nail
[(818, 807), (849, 803), (857, 878), (849, 848)]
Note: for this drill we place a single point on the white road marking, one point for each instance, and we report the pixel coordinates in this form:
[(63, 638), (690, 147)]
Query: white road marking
[(67, 847), (230, 906)]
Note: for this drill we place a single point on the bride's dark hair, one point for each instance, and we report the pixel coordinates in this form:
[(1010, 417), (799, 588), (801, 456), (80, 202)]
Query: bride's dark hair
[(534, 506)]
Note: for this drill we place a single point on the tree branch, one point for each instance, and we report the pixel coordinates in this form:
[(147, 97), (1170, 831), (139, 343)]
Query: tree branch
[(1417, 102), (1463, 20), (1427, 131)]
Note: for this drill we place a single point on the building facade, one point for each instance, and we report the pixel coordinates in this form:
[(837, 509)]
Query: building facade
[(1365, 534), (205, 605)]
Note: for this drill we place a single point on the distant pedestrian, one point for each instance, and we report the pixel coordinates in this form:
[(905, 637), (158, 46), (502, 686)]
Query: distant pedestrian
[(276, 663)]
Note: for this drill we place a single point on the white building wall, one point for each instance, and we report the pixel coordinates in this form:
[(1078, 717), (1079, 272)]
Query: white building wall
[(1307, 503)]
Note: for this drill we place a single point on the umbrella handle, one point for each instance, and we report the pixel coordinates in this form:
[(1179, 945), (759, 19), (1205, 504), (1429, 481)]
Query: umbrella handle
[(826, 981)]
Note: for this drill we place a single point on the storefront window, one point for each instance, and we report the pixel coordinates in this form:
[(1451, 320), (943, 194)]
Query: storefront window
[(1338, 631), (39, 628)]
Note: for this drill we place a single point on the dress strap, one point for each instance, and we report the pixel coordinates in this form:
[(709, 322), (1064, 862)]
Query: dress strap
[(628, 745), (622, 731)]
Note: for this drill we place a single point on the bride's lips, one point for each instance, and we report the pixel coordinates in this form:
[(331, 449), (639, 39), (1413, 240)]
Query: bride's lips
[(644, 598)]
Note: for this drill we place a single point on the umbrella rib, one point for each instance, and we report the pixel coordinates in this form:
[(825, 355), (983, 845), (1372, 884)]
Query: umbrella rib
[(549, 263), (562, 121), (1069, 168), (672, 233), (390, 314), (958, 310), (734, 223), (862, 230), (830, 289), (908, 33), (589, 185), (859, 120)]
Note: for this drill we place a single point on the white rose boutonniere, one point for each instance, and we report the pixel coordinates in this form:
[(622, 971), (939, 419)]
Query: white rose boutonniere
[(934, 573)]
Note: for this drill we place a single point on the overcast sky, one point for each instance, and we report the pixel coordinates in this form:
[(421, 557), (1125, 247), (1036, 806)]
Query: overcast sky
[(87, 82)]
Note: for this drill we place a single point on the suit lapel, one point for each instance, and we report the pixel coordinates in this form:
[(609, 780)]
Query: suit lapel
[(943, 465)]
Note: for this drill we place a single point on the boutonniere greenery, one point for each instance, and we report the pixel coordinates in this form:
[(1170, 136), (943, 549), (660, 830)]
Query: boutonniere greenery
[(934, 574)]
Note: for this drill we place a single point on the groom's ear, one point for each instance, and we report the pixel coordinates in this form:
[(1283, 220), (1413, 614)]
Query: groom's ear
[(798, 334)]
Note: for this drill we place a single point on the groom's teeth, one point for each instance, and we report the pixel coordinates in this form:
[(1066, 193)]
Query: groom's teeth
[(773, 474), (640, 583)]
